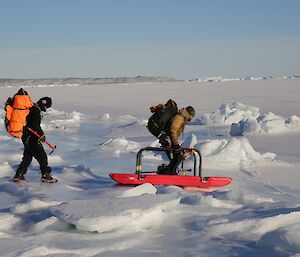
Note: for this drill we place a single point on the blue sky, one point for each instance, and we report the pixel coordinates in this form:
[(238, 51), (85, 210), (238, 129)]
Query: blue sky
[(181, 39)]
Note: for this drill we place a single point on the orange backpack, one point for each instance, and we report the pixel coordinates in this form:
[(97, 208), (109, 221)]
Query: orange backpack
[(17, 109)]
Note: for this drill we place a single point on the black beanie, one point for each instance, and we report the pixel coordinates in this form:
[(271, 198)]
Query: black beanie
[(191, 110), (45, 102)]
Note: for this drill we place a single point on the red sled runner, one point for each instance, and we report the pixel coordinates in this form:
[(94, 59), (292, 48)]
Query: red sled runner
[(182, 179)]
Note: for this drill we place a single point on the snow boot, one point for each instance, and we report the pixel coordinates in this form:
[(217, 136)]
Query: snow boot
[(163, 169), (19, 177), (46, 178)]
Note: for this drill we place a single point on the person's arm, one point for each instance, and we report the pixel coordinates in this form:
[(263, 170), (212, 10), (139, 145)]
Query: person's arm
[(34, 121), (176, 128)]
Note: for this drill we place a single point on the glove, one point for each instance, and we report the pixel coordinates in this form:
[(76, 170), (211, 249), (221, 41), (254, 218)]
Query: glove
[(42, 138), (177, 148)]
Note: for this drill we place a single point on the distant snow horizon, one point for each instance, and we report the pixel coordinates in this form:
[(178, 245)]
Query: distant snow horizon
[(224, 79), (78, 81)]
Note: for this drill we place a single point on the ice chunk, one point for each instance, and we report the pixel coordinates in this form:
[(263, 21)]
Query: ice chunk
[(125, 213), (146, 188)]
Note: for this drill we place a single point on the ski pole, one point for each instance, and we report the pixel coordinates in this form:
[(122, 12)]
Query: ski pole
[(36, 134)]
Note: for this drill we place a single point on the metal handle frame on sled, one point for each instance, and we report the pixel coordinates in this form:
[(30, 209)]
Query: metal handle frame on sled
[(159, 149)]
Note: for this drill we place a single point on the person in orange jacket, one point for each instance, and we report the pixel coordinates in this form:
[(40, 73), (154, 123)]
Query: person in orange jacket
[(33, 145)]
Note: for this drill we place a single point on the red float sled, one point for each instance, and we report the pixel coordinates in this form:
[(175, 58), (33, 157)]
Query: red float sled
[(195, 180)]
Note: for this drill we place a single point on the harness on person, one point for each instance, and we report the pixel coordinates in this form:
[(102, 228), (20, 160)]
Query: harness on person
[(161, 117), (16, 110)]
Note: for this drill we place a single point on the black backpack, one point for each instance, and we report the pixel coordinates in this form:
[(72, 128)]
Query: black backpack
[(160, 119)]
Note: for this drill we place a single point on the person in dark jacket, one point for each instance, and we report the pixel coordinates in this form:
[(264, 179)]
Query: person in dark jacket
[(170, 138), (33, 145)]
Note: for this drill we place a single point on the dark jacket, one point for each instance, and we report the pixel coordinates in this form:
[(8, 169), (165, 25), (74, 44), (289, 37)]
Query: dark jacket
[(33, 121)]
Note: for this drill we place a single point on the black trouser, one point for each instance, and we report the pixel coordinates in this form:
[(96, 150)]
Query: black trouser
[(32, 148), (164, 141), (174, 163), (175, 160)]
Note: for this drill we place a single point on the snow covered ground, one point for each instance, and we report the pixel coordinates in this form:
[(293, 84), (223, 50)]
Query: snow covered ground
[(248, 130)]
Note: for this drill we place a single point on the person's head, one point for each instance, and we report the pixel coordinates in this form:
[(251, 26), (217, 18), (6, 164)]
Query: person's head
[(44, 103), (191, 111)]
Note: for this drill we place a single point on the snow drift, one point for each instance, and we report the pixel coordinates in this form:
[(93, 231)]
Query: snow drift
[(247, 120)]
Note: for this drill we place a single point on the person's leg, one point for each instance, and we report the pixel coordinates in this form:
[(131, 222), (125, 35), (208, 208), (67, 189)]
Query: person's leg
[(177, 159), (40, 155), (26, 160), (164, 141)]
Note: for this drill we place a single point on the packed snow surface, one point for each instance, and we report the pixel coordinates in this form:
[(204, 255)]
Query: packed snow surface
[(124, 213), (245, 129)]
